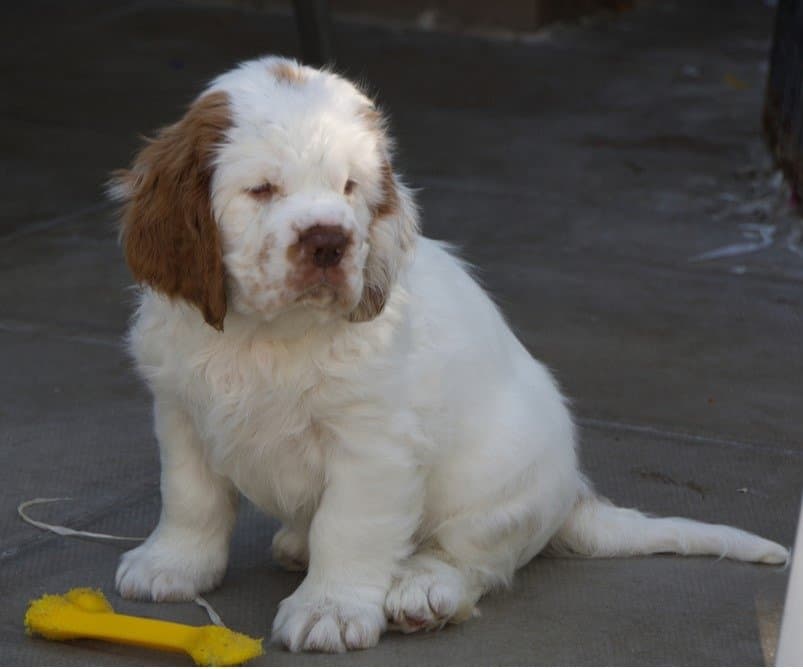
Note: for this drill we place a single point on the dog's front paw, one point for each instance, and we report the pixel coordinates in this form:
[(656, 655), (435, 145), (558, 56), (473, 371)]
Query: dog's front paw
[(164, 569), (315, 621)]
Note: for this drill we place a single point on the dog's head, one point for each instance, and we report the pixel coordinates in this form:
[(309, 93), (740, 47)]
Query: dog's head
[(274, 193)]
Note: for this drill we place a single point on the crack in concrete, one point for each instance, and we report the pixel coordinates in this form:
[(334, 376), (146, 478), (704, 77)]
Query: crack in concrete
[(40, 226), (47, 330), (651, 430)]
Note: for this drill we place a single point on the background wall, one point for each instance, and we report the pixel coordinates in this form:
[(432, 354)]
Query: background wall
[(514, 15)]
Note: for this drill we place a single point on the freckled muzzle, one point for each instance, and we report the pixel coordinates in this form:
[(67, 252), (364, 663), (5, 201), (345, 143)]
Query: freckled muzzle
[(320, 264)]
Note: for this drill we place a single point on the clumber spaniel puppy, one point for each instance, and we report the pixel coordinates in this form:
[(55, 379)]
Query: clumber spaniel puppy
[(306, 347)]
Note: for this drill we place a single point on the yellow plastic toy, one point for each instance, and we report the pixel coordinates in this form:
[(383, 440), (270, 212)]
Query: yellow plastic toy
[(84, 613)]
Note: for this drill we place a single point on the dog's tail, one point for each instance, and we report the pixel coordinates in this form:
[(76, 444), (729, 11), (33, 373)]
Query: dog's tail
[(597, 528)]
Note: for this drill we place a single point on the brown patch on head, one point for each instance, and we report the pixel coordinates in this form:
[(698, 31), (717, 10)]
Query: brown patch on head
[(288, 73), (372, 117), (169, 235), (389, 202)]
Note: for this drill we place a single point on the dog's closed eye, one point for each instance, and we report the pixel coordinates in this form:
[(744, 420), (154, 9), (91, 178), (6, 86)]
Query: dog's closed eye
[(265, 191)]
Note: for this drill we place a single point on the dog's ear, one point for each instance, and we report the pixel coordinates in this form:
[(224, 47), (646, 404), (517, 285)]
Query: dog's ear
[(168, 230), (392, 235)]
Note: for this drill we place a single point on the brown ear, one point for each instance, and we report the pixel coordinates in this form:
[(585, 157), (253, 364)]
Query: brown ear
[(169, 235), (392, 236)]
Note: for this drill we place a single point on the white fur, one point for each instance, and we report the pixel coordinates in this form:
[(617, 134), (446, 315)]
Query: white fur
[(415, 460)]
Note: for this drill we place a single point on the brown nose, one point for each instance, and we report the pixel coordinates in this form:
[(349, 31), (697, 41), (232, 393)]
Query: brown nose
[(324, 244)]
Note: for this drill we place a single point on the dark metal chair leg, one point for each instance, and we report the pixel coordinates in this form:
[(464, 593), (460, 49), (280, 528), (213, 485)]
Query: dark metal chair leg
[(314, 31), (783, 105)]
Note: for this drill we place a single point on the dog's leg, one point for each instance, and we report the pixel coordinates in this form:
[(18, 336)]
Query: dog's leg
[(443, 581), (187, 552), (362, 528), (290, 547), (478, 548)]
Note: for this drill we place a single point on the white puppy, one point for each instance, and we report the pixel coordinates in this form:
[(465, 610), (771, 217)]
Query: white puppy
[(307, 348)]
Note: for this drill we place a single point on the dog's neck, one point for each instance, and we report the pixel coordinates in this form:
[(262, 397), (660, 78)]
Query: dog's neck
[(299, 325)]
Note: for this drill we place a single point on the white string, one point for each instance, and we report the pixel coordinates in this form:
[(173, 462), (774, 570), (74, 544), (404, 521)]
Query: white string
[(213, 616), (70, 532), (60, 529)]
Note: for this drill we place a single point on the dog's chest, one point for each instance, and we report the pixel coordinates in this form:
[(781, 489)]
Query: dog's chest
[(264, 425)]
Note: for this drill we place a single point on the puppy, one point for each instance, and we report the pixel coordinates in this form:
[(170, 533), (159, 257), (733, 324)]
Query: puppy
[(307, 348)]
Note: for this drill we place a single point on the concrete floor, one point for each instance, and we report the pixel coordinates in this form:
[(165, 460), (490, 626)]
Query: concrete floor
[(581, 171)]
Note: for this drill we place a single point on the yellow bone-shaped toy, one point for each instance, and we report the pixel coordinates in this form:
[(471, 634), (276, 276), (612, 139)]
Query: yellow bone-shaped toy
[(86, 614)]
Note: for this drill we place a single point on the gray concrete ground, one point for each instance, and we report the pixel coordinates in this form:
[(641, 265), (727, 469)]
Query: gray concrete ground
[(581, 171)]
